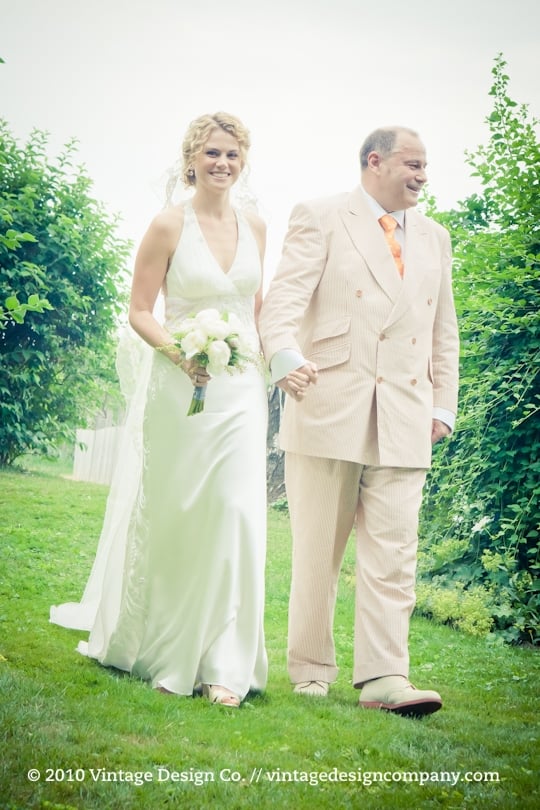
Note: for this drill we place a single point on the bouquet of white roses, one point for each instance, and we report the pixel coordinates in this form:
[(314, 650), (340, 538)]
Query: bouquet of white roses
[(214, 341)]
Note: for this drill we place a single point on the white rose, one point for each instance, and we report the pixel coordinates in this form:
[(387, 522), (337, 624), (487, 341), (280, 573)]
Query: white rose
[(207, 316), (213, 324), (219, 329), (194, 342), (219, 355)]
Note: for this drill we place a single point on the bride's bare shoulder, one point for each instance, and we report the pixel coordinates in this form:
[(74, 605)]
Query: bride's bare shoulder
[(258, 227), (256, 222), (167, 225), (169, 219)]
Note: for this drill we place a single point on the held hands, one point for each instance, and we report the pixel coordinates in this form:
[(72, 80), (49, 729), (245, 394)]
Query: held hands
[(296, 383), (438, 431)]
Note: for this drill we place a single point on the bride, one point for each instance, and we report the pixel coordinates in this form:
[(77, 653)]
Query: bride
[(176, 593)]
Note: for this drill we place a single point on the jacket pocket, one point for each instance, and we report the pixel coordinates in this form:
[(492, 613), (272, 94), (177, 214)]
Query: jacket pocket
[(330, 343), (331, 329), (331, 356)]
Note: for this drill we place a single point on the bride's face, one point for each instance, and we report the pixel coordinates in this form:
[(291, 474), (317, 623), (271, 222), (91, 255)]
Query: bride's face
[(219, 163)]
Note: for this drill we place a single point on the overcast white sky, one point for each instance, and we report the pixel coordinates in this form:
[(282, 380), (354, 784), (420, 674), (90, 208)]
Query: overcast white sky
[(310, 78)]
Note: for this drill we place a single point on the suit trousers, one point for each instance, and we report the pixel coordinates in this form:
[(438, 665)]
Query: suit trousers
[(327, 497)]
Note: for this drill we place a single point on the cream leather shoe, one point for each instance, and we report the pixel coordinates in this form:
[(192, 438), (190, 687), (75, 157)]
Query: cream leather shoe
[(394, 693), (311, 688)]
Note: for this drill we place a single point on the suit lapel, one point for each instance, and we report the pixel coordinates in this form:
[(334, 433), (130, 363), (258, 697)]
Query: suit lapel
[(416, 263), (416, 238), (368, 238)]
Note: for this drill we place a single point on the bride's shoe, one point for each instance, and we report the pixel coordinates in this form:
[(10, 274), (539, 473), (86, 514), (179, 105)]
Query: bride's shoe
[(218, 694)]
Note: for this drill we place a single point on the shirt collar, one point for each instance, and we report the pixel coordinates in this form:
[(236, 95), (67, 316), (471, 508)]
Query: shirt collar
[(379, 211)]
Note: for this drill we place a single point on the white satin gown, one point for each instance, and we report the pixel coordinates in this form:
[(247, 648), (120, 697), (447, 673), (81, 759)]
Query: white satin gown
[(176, 593)]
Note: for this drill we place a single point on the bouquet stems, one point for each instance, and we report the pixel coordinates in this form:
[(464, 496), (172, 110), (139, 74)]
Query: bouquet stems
[(197, 401)]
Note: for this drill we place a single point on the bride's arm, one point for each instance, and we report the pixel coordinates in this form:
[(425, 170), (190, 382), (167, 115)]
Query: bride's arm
[(151, 265)]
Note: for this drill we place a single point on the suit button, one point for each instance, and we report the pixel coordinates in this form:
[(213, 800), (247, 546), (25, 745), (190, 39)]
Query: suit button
[(359, 293), (413, 341), (430, 301), (382, 336), (379, 379), (413, 382)]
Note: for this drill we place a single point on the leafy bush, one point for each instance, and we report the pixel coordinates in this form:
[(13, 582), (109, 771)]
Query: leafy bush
[(479, 522), (62, 262), (468, 610)]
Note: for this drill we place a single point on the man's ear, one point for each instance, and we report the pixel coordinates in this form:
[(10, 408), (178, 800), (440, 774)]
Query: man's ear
[(374, 161)]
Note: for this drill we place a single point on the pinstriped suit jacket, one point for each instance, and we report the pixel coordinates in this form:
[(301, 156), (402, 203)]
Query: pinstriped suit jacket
[(386, 349)]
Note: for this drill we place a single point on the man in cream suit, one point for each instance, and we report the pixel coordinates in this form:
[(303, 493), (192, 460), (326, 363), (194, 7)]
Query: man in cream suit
[(362, 336)]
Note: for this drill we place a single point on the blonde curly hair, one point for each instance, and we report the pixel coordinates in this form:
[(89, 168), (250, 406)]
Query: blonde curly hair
[(198, 133)]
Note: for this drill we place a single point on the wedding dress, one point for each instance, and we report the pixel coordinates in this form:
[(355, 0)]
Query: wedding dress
[(176, 593)]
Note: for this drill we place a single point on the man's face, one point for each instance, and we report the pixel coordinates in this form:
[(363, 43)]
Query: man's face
[(399, 177)]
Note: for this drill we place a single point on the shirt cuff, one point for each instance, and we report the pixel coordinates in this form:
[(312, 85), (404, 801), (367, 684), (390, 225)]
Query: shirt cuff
[(445, 416), (284, 361)]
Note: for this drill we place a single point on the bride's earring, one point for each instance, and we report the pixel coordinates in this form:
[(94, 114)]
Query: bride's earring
[(191, 173)]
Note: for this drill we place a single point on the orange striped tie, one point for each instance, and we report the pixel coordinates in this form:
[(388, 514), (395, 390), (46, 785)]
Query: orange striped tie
[(389, 225)]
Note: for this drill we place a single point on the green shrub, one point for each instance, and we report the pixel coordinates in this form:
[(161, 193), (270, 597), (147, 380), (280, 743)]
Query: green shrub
[(479, 522), (62, 266)]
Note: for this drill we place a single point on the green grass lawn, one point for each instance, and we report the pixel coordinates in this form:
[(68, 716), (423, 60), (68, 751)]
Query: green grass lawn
[(81, 725)]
